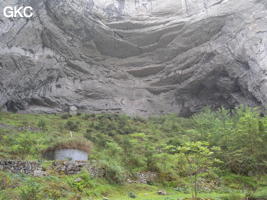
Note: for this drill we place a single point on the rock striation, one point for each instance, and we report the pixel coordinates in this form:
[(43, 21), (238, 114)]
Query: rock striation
[(135, 57)]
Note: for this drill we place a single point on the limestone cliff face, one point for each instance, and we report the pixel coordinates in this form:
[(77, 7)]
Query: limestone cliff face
[(134, 57)]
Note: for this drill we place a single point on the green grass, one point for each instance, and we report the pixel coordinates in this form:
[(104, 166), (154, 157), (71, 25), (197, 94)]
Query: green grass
[(123, 145), (67, 188), (144, 192), (261, 193)]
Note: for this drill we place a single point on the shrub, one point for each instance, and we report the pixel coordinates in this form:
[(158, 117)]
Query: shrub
[(66, 116), (261, 193), (82, 182), (72, 126), (30, 191), (25, 124), (9, 194), (42, 125), (5, 181), (114, 173), (24, 145), (55, 190), (86, 117), (240, 182), (132, 195)]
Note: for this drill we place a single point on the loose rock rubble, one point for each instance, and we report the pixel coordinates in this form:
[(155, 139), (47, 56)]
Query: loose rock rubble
[(34, 168), (24, 167)]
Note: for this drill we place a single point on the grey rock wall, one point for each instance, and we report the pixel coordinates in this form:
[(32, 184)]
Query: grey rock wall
[(24, 167), (178, 57), (33, 168)]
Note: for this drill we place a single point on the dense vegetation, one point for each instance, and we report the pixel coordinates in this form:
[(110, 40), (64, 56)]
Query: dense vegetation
[(220, 154)]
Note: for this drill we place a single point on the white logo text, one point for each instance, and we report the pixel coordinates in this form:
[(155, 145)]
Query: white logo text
[(18, 12)]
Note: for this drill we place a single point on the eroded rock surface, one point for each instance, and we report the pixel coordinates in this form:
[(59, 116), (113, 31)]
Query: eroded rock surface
[(138, 59)]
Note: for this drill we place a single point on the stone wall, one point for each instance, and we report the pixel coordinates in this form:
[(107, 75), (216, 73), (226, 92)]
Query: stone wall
[(74, 167), (24, 167), (143, 177), (35, 168)]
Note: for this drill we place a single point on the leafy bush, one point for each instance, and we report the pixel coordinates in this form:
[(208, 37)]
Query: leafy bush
[(132, 195), (113, 172), (24, 144), (240, 182), (30, 191), (66, 116), (42, 125), (82, 182), (5, 181), (72, 126), (260, 193), (54, 190), (112, 124)]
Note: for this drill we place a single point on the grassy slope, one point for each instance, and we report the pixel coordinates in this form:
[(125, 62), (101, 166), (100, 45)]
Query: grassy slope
[(65, 188), (21, 137)]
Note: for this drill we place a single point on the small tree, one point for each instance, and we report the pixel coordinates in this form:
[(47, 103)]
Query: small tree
[(199, 159)]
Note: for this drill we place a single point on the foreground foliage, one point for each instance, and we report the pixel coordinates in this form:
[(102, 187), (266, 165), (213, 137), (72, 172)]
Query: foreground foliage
[(213, 151)]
